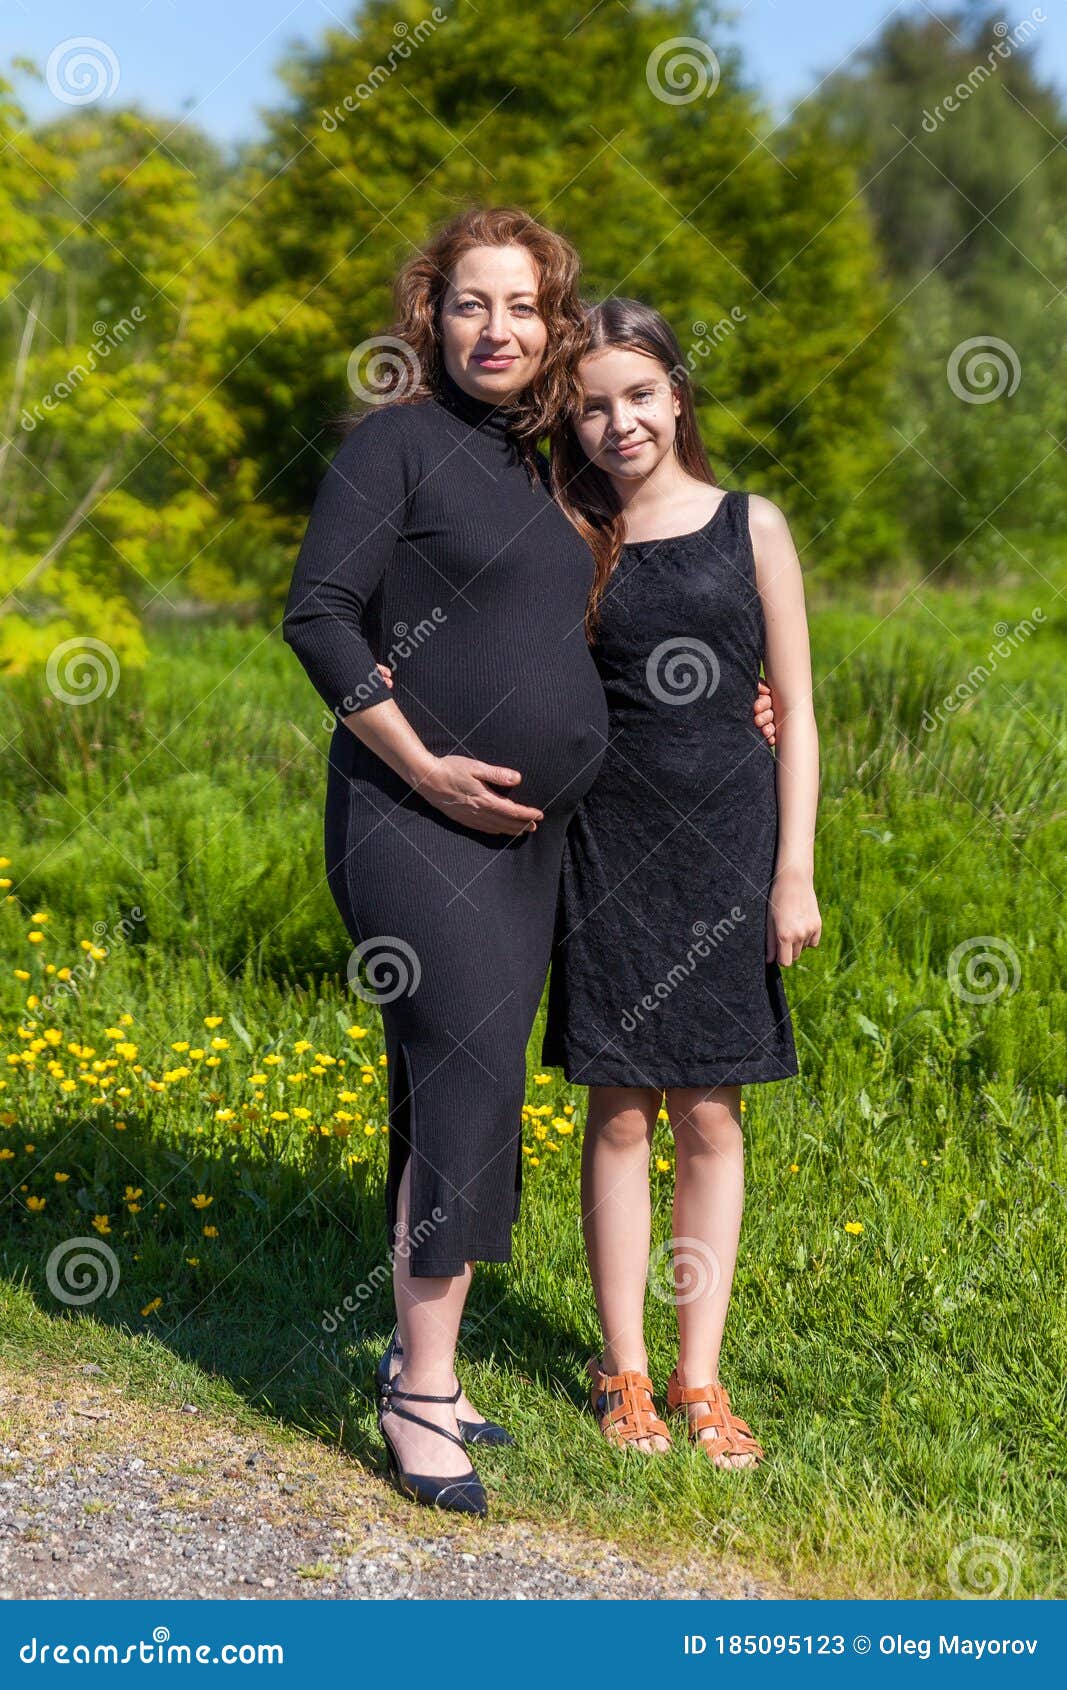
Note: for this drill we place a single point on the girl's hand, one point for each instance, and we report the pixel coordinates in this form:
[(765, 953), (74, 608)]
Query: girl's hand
[(386, 673), (793, 919), (763, 711)]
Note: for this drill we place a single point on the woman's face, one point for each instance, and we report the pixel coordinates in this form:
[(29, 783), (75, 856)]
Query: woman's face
[(629, 412), (492, 333)]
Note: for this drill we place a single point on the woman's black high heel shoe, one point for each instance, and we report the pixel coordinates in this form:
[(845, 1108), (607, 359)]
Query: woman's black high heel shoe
[(471, 1431), (464, 1494)]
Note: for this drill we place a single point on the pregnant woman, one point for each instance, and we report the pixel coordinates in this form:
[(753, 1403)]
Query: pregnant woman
[(450, 788), (687, 871)]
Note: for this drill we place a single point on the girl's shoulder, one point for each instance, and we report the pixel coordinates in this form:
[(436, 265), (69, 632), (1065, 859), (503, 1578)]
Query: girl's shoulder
[(766, 520)]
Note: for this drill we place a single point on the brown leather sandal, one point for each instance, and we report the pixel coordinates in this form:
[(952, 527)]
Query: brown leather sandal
[(733, 1437), (635, 1417)]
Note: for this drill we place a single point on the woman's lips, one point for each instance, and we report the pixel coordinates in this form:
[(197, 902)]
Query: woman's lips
[(494, 361), (628, 451)]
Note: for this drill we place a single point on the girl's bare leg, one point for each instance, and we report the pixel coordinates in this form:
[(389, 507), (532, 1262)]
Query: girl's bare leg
[(617, 1222), (708, 1201)]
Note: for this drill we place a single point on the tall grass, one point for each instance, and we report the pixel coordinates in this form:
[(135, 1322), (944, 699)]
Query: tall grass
[(907, 1380)]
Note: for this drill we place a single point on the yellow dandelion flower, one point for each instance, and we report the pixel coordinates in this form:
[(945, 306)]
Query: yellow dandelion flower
[(794, 1167), (279, 1115), (134, 1208), (542, 1079), (301, 1046), (210, 1231), (102, 1225), (193, 1261), (224, 1114), (357, 1032), (301, 1114), (35, 938), (662, 1165), (271, 1061), (150, 1308), (663, 1115), (196, 1054), (36, 1204), (20, 974), (220, 1044), (120, 1126), (61, 1179), (180, 1045), (535, 1161), (7, 1154), (29, 1149), (855, 1227), (212, 1020), (200, 1201)]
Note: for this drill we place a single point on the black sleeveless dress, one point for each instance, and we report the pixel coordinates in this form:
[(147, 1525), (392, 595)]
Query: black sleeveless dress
[(659, 975), (432, 549)]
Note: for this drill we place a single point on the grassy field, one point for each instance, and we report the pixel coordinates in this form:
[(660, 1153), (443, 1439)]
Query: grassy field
[(907, 1379)]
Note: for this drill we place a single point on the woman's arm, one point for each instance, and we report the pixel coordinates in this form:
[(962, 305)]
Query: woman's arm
[(351, 537), (793, 919)]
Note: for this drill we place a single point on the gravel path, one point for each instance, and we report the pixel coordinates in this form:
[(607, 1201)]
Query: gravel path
[(102, 1495)]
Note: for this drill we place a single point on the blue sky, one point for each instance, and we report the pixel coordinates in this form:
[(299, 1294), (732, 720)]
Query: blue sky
[(219, 56)]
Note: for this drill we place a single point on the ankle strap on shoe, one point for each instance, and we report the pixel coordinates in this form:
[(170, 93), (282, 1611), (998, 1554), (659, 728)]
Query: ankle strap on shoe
[(390, 1390)]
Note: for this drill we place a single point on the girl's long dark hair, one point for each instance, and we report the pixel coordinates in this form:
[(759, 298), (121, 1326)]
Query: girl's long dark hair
[(584, 492)]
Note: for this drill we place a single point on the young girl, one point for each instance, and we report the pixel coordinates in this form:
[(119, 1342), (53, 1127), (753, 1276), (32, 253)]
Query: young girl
[(687, 871)]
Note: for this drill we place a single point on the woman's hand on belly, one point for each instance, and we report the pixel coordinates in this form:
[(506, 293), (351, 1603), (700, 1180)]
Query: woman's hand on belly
[(459, 787)]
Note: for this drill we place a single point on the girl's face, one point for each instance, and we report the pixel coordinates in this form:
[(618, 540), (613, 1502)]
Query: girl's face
[(629, 412), (492, 333)]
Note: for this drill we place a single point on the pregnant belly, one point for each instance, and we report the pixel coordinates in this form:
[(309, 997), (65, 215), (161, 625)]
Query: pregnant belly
[(548, 720)]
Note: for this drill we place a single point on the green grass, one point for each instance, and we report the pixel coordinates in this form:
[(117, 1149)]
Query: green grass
[(907, 1381)]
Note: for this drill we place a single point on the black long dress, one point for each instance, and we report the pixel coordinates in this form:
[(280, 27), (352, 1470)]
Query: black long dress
[(431, 548), (659, 975)]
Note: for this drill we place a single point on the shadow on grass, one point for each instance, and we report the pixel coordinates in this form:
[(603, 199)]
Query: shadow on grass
[(291, 1303)]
